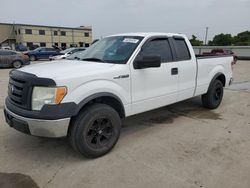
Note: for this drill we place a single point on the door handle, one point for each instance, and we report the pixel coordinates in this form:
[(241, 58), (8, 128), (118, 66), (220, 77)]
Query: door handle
[(174, 71)]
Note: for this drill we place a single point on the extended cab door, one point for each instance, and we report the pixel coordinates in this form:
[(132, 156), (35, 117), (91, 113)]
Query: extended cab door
[(186, 67), (154, 87)]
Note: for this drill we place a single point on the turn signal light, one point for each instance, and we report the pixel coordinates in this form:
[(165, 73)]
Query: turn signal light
[(60, 93)]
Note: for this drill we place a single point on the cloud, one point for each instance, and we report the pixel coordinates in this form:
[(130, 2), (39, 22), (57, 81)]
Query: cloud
[(112, 16)]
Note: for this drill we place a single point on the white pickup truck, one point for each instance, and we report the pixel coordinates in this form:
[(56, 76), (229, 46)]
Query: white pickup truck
[(118, 76)]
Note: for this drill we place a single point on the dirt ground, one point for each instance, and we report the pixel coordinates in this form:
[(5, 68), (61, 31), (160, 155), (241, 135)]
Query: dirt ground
[(182, 145)]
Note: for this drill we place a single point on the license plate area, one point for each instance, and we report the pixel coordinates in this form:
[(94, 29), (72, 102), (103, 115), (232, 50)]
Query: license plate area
[(17, 124)]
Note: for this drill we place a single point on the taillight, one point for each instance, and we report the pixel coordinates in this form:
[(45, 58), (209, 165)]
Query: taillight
[(25, 56)]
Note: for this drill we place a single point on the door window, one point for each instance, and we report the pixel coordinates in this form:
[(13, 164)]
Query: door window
[(6, 53), (42, 50), (49, 49), (158, 47)]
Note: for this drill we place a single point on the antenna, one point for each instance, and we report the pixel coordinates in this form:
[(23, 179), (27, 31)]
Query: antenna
[(206, 35)]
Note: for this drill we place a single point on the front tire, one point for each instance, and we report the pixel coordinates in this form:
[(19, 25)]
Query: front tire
[(212, 99), (95, 131), (17, 64)]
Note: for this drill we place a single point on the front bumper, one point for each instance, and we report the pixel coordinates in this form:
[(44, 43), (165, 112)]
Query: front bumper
[(37, 127)]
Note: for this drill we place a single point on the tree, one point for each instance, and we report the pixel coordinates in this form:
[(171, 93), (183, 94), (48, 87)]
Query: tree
[(195, 42), (242, 39), (210, 43), (222, 40)]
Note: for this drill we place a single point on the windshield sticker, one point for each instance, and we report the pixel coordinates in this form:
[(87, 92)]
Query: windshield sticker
[(130, 40)]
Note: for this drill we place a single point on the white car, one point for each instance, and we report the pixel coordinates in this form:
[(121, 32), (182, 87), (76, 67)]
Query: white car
[(118, 76), (5, 48), (66, 53)]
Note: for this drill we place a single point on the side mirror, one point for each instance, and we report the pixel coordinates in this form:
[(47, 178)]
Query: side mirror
[(147, 62)]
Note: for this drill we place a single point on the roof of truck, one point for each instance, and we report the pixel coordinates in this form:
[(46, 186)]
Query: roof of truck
[(149, 34)]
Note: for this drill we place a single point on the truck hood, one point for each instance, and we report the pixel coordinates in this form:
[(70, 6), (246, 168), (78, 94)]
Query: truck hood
[(56, 69)]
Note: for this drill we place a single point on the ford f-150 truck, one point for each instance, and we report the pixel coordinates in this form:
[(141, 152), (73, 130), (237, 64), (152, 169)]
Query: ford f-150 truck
[(121, 75)]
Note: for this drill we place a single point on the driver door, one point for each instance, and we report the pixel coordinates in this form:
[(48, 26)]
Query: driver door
[(154, 87)]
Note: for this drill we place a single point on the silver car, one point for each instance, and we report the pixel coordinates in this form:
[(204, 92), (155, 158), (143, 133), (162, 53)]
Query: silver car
[(9, 58), (65, 53)]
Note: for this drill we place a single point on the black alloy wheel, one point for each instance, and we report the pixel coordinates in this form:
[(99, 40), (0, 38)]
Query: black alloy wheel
[(95, 131), (100, 133), (212, 99)]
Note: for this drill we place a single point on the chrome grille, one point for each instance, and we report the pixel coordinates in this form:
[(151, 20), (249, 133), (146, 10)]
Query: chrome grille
[(15, 91)]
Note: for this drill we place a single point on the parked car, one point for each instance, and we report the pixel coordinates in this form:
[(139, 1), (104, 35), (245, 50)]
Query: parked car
[(220, 52), (65, 53), (119, 76), (75, 55), (9, 58), (21, 48), (42, 53)]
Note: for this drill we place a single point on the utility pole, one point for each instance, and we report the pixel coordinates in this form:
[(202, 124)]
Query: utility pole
[(206, 35)]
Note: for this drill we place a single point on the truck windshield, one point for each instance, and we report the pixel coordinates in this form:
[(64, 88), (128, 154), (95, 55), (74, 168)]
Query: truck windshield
[(116, 49)]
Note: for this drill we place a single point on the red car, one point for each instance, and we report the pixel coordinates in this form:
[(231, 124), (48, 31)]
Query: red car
[(221, 52)]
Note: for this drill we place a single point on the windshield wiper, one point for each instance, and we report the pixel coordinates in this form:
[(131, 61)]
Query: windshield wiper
[(93, 59)]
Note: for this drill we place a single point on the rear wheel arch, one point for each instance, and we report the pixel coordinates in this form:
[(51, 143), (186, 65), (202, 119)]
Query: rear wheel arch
[(221, 77)]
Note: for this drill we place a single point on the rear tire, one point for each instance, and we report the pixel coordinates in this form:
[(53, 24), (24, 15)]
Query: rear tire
[(212, 99), (95, 131), (235, 60), (32, 58), (17, 64)]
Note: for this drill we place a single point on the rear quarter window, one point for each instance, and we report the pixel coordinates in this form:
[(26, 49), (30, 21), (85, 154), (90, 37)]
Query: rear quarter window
[(182, 49)]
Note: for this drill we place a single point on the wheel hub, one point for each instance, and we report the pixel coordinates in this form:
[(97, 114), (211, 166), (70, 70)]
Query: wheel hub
[(217, 94), (100, 133)]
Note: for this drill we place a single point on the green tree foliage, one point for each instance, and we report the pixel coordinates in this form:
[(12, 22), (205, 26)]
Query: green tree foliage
[(222, 40), (210, 43), (195, 42), (242, 39)]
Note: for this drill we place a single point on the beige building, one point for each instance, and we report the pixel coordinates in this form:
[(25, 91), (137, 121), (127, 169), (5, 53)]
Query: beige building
[(44, 36)]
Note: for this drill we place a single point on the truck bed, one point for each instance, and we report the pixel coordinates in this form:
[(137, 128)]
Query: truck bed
[(208, 66)]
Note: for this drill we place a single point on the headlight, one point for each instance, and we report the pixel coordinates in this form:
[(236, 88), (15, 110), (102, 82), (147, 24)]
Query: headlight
[(47, 95)]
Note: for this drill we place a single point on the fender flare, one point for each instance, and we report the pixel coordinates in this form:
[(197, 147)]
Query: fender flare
[(95, 96), (215, 77)]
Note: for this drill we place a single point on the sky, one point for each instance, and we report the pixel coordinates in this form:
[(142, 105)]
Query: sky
[(119, 16)]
